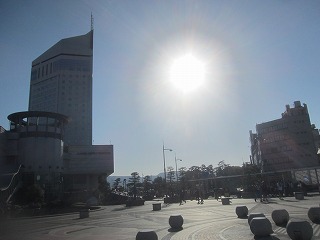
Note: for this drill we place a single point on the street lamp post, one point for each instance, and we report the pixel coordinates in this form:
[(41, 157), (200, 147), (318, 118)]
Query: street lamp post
[(176, 159), (164, 162)]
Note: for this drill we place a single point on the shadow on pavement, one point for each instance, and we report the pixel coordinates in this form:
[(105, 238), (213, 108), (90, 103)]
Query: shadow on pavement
[(267, 238), (175, 229)]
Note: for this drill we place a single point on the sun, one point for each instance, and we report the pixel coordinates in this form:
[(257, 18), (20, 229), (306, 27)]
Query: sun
[(187, 73)]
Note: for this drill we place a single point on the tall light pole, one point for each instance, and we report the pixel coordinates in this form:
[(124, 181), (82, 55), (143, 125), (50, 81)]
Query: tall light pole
[(164, 162), (176, 159)]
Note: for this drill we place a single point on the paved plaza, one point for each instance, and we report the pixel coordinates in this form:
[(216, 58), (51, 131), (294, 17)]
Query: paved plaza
[(210, 220)]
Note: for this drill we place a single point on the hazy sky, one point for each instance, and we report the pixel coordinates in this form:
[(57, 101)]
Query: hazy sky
[(259, 56)]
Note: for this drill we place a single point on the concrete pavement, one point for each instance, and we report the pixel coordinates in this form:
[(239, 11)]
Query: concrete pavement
[(210, 220)]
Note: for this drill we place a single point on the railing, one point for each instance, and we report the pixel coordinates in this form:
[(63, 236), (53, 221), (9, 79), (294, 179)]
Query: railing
[(6, 193)]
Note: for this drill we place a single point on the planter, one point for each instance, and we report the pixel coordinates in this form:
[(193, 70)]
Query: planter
[(146, 234), (242, 211), (176, 221), (314, 214), (299, 195), (253, 215), (280, 217), (299, 229), (156, 206), (84, 213), (225, 201), (261, 227)]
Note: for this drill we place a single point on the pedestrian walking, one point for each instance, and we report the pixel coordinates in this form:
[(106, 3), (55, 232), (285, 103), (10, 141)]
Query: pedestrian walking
[(181, 197)]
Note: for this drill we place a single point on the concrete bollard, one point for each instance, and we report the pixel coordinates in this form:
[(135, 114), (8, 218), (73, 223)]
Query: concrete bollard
[(299, 229), (242, 211), (176, 221), (253, 215), (299, 195), (156, 206), (84, 213), (261, 226), (146, 235), (280, 217), (314, 214)]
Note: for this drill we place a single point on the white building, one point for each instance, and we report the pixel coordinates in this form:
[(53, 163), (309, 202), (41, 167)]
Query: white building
[(51, 144), (61, 82)]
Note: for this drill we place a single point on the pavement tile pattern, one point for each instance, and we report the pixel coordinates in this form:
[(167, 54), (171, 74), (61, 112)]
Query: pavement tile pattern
[(210, 220)]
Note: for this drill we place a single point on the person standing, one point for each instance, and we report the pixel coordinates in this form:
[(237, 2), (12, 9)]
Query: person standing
[(264, 192), (280, 189), (181, 196)]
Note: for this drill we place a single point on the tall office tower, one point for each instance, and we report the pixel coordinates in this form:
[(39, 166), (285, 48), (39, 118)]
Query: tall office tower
[(61, 82)]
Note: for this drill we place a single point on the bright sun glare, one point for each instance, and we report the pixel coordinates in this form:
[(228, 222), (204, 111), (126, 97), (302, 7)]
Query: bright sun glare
[(187, 73)]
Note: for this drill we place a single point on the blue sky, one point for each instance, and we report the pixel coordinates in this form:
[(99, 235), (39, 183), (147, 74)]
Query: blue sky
[(259, 56)]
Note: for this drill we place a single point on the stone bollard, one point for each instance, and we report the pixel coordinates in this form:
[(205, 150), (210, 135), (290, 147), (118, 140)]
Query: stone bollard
[(253, 215), (84, 213), (299, 229), (261, 226), (280, 217), (156, 206), (299, 195), (146, 235), (314, 214), (242, 211), (176, 221)]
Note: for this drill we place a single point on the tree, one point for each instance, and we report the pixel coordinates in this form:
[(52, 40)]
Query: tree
[(147, 183), (135, 178), (116, 183), (32, 195), (252, 176), (171, 173), (158, 185), (194, 172), (204, 171), (210, 170), (220, 170), (183, 178), (148, 192), (133, 181), (234, 170), (103, 188), (182, 173)]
